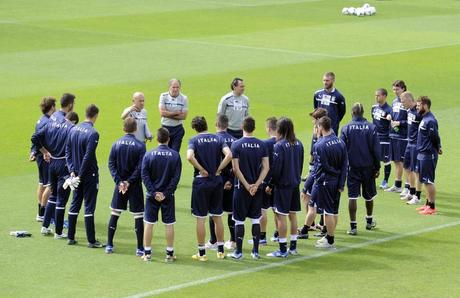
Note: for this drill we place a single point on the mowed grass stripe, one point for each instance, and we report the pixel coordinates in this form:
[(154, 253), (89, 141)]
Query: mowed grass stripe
[(363, 37), (134, 61)]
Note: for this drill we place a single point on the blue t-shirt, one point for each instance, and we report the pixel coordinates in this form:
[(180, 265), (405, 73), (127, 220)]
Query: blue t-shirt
[(208, 151), (379, 119), (413, 121), (398, 113), (334, 103), (227, 173), (249, 151), (270, 144), (161, 170)]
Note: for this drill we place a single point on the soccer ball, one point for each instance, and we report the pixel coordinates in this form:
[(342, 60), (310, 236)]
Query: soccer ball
[(345, 11)]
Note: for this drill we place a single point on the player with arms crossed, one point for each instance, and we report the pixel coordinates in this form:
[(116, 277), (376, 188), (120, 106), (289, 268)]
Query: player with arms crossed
[(173, 108)]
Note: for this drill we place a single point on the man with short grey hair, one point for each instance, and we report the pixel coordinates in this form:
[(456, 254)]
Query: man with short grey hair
[(173, 110), (138, 112), (235, 105)]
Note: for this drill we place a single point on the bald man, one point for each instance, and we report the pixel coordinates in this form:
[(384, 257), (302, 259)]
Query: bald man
[(138, 112), (173, 108)]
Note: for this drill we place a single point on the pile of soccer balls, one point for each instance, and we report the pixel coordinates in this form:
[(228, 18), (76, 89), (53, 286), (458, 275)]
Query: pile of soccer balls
[(365, 10)]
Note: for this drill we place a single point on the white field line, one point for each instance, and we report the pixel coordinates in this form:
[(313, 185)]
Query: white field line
[(238, 46), (291, 261), (228, 4)]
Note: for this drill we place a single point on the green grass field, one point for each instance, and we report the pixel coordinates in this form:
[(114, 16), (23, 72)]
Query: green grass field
[(103, 51)]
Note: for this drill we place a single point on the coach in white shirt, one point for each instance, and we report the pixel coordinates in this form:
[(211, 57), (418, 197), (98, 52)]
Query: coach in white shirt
[(235, 105), (173, 110), (138, 112)]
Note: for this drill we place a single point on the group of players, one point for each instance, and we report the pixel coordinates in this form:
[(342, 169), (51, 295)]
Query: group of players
[(234, 172)]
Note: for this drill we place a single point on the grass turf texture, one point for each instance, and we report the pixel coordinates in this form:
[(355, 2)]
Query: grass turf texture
[(103, 51)]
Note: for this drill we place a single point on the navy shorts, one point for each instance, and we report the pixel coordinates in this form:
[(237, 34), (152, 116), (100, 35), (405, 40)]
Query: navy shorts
[(410, 158), (207, 197), (43, 170), (327, 196), (267, 200), (152, 207), (245, 205), (397, 149), (286, 199), (58, 173), (87, 191), (385, 151), (227, 199), (427, 169), (361, 179), (134, 195), (176, 134)]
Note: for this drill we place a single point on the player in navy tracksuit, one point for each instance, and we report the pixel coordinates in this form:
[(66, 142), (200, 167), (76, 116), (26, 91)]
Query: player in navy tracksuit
[(381, 118), (51, 141), (205, 154), (363, 146), (330, 99), (125, 162), (398, 135), (48, 107), (309, 223), (267, 194), (428, 148), (250, 165), (410, 156), (227, 178), (161, 169), (286, 176), (82, 163), (330, 174)]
